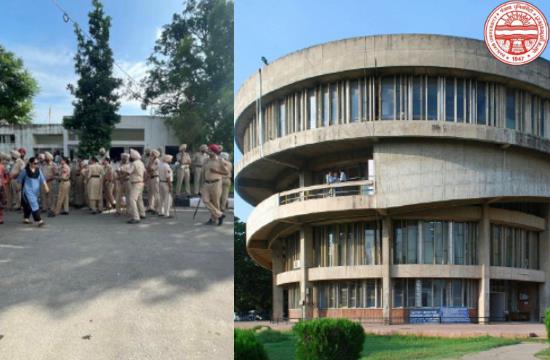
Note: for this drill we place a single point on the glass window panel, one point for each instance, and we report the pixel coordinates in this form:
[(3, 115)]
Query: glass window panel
[(282, 119), (326, 106), (432, 98), (427, 295), (428, 242), (481, 103), (411, 293), (450, 99), (417, 98), (312, 113), (370, 234), (457, 293), (458, 243), (388, 98), (398, 293), (510, 109), (398, 245), (333, 104), (460, 100), (542, 116), (354, 101), (412, 242), (343, 296)]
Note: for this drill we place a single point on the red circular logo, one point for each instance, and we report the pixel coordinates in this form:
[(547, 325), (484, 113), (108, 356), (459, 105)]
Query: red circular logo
[(516, 32)]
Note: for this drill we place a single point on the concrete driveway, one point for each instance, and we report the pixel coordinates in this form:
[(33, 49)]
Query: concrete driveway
[(94, 287)]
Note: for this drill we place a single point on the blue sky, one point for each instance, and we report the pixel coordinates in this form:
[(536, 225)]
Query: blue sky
[(273, 28), (35, 31)]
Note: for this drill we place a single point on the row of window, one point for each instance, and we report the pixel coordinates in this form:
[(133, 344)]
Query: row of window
[(514, 247), (348, 244), (350, 294), (414, 242), (435, 242), (410, 293), (400, 97)]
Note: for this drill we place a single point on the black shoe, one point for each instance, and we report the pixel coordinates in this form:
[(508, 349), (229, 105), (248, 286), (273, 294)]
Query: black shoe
[(133, 221), (51, 215), (143, 217), (220, 220), (209, 222), (94, 212), (64, 213)]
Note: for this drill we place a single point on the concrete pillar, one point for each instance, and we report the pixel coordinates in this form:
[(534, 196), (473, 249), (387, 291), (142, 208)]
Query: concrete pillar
[(306, 258), (544, 262), (277, 267), (305, 178), (484, 252), (386, 270)]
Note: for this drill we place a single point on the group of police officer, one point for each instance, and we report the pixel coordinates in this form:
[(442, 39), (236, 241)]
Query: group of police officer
[(101, 185)]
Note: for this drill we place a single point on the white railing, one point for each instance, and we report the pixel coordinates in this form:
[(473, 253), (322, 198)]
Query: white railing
[(347, 188)]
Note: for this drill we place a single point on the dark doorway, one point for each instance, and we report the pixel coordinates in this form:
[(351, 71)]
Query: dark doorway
[(115, 153)]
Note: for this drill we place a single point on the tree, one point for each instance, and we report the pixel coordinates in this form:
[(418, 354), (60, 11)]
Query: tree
[(252, 282), (97, 101), (191, 75), (17, 88)]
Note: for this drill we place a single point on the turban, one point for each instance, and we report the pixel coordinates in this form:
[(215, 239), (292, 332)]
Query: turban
[(134, 154), (167, 158), (183, 147), (215, 148)]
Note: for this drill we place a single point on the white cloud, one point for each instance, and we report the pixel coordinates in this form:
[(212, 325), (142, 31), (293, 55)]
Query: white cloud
[(36, 57)]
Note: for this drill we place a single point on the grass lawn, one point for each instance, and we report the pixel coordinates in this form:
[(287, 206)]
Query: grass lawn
[(280, 346), (544, 354)]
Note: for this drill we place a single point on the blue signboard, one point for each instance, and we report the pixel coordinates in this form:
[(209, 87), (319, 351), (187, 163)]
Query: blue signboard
[(424, 316), (457, 315)]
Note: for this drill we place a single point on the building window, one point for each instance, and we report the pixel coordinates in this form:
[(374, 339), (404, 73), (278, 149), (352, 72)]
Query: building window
[(326, 106), (349, 294), (294, 296), (481, 109), (388, 98), (514, 247), (510, 109), (347, 244), (312, 107), (441, 242), (354, 101), (449, 100), (434, 293), (432, 98), (333, 104), (460, 100), (291, 251), (282, 119), (418, 98), (7, 139)]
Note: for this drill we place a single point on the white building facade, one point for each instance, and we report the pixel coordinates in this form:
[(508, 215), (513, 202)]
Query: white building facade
[(137, 132)]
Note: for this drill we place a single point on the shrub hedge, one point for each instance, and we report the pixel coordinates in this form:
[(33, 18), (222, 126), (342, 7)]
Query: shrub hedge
[(329, 339), (247, 347)]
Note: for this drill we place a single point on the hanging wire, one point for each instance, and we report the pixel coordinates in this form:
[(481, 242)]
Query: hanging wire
[(67, 18)]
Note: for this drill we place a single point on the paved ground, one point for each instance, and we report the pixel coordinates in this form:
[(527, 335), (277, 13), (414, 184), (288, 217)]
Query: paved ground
[(511, 330), (524, 351), (94, 287)]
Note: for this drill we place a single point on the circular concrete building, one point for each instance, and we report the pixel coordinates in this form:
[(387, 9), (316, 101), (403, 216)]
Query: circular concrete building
[(399, 178)]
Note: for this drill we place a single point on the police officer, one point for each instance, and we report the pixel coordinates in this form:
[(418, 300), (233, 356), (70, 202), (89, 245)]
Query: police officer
[(199, 159), (182, 170), (136, 172), (211, 190), (95, 175)]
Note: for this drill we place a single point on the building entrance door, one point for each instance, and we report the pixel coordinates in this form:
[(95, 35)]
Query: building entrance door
[(498, 306)]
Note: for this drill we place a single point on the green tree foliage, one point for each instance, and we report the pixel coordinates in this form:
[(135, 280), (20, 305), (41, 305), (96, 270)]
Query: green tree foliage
[(97, 101), (17, 88), (252, 282), (191, 76)]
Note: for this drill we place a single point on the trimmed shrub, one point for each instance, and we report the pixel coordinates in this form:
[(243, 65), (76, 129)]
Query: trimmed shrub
[(547, 323), (247, 347), (328, 339)]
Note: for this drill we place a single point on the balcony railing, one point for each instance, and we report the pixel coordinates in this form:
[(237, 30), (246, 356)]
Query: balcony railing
[(348, 188)]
